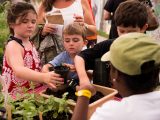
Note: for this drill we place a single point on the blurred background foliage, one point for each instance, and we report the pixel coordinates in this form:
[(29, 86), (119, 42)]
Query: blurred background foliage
[(4, 32)]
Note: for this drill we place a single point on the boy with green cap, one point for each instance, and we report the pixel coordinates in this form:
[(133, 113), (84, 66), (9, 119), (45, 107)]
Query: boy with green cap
[(134, 61)]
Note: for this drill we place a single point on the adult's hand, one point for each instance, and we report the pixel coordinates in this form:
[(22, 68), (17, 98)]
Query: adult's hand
[(49, 29)]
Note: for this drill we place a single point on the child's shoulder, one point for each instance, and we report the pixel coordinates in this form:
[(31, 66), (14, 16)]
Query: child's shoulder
[(12, 45), (64, 54)]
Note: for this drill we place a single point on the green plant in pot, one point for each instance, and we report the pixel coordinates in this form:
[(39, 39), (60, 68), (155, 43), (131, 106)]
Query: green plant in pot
[(32, 106), (36, 107)]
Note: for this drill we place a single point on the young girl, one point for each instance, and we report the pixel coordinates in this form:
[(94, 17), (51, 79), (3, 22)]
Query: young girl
[(21, 64)]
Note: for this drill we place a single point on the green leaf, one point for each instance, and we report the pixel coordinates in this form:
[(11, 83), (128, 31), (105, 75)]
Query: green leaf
[(55, 115)]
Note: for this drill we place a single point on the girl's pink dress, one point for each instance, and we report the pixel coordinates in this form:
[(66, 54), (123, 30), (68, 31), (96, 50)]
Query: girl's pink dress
[(17, 85)]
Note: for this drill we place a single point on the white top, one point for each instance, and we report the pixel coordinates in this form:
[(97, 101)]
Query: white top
[(69, 12), (136, 107)]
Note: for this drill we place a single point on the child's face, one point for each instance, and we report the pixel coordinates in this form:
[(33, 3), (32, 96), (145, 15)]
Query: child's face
[(123, 30), (26, 26), (73, 43)]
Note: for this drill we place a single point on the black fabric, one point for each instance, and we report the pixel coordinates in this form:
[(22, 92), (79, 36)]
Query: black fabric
[(16, 39), (101, 73), (91, 54), (111, 6)]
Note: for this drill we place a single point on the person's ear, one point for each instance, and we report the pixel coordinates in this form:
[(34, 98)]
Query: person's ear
[(85, 42), (116, 75), (113, 73), (144, 28)]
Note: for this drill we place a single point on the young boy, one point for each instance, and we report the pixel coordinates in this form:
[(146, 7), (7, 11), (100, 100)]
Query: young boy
[(73, 41), (130, 16)]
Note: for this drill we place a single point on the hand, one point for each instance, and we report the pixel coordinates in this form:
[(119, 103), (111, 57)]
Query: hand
[(87, 86), (79, 19), (52, 79), (72, 67), (45, 68), (49, 29)]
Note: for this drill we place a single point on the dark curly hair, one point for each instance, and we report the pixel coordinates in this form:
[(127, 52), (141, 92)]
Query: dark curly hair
[(131, 13), (18, 10)]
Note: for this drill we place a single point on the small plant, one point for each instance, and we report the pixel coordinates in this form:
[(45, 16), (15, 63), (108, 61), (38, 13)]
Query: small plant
[(33, 106), (30, 107)]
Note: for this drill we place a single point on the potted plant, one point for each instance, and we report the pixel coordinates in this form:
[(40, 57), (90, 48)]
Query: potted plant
[(31, 106), (103, 94), (36, 107)]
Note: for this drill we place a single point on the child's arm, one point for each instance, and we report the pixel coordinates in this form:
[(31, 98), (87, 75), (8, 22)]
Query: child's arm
[(80, 68), (90, 74), (14, 56)]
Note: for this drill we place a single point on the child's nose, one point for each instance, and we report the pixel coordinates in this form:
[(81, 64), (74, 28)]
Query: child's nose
[(71, 42), (30, 24)]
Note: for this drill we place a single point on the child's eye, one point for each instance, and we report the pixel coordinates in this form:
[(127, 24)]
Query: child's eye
[(33, 21), (66, 40), (75, 39), (24, 21)]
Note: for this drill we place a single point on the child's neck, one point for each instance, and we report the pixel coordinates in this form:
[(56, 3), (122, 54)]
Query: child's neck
[(72, 56), (24, 39)]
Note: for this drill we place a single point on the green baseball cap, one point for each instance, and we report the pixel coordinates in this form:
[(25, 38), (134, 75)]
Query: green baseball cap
[(130, 51)]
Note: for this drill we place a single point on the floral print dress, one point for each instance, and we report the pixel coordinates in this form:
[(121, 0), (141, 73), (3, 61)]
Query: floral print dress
[(17, 85)]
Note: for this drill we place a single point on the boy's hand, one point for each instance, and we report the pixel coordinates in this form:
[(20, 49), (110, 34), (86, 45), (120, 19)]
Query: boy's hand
[(45, 68), (72, 67)]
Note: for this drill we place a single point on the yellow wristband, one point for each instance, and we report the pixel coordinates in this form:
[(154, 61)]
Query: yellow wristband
[(85, 93)]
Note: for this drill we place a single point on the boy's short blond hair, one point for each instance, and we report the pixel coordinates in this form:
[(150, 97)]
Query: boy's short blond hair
[(75, 29)]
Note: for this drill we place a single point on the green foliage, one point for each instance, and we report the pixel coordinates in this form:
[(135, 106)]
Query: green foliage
[(3, 28), (1, 100), (1, 97), (29, 107), (32, 104), (103, 34), (4, 6)]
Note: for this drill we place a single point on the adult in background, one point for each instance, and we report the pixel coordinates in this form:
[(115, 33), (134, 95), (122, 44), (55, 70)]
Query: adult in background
[(71, 10), (109, 10)]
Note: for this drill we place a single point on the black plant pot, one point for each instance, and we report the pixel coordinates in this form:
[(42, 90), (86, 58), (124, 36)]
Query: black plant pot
[(62, 70)]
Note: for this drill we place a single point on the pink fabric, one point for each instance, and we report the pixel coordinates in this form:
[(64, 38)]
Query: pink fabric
[(17, 85)]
